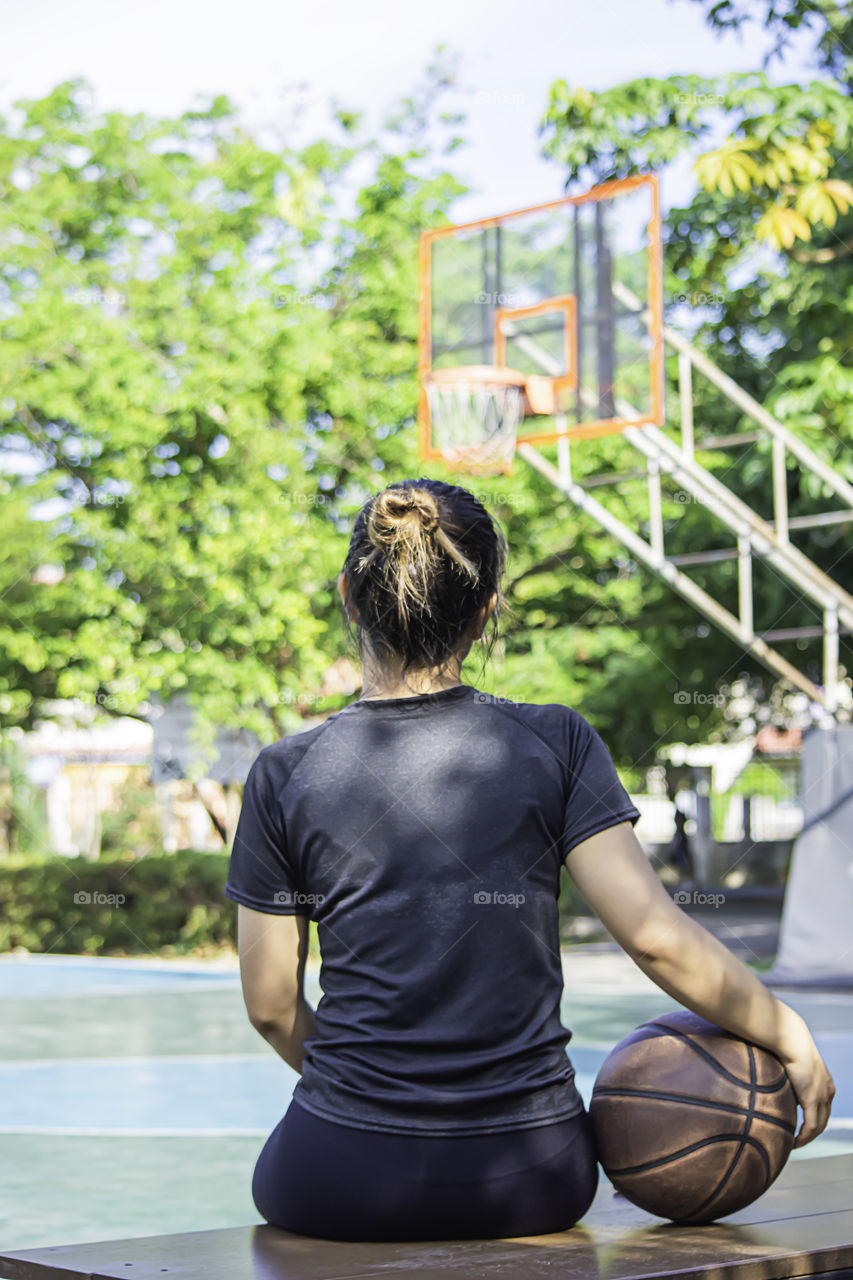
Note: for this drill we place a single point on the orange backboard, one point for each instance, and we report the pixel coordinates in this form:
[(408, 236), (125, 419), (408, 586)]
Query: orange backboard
[(569, 293)]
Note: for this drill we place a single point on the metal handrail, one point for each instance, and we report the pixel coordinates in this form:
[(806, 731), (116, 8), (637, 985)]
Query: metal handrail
[(755, 536)]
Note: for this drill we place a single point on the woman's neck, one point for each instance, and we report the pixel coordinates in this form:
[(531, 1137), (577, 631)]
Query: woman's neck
[(388, 684)]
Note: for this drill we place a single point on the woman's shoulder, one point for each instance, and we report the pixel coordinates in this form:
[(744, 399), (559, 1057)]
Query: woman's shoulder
[(555, 722), (289, 750)]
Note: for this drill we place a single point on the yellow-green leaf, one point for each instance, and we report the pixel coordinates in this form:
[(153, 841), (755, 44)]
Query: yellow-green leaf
[(781, 226), (814, 203), (841, 192), (725, 169), (805, 161), (743, 173), (777, 164)]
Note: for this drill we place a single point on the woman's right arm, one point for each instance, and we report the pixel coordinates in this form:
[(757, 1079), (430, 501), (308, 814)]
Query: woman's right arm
[(616, 879)]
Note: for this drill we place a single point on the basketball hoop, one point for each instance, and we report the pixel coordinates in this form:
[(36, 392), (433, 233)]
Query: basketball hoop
[(475, 411)]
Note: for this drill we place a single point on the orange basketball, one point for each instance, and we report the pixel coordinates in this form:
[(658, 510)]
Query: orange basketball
[(692, 1123)]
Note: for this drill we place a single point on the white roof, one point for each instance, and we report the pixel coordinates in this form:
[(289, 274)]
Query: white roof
[(725, 759), (107, 735)]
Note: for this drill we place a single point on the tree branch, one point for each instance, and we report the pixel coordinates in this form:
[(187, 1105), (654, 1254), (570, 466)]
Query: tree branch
[(218, 826), (550, 562), (824, 255)]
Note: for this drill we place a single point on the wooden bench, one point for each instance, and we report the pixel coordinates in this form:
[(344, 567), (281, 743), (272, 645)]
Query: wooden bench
[(803, 1226)]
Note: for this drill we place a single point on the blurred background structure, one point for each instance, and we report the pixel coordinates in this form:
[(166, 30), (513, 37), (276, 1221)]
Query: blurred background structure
[(208, 300)]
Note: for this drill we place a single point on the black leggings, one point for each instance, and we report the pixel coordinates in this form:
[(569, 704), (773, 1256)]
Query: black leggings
[(335, 1182)]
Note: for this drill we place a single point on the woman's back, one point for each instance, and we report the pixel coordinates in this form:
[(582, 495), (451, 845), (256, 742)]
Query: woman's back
[(425, 835)]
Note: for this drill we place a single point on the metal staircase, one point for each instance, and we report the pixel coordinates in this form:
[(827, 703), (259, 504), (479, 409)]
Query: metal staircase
[(753, 536)]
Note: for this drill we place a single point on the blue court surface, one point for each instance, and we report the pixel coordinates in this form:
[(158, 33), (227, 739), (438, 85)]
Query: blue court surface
[(135, 1097)]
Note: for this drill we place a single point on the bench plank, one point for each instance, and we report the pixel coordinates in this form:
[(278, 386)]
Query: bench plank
[(803, 1226)]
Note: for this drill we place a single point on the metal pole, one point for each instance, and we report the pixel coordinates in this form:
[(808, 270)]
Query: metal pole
[(744, 565), (564, 457), (486, 321), (655, 512), (581, 312), (830, 658), (685, 394), (604, 312), (780, 489)]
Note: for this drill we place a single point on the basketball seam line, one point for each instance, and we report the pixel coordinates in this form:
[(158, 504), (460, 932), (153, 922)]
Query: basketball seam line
[(718, 1190), (684, 1151), (659, 1096), (709, 1057)]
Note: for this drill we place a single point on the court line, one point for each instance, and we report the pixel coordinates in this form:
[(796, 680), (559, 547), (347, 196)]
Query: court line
[(140, 964), (35, 1064), (44, 1131), (159, 1059)]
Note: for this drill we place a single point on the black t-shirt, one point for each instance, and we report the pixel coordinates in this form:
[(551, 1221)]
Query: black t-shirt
[(425, 835)]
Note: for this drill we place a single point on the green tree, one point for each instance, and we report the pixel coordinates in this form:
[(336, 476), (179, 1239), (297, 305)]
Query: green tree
[(829, 22), (764, 244), (207, 363)]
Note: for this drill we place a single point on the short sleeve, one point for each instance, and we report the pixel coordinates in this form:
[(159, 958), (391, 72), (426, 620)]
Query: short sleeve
[(596, 798), (259, 874)]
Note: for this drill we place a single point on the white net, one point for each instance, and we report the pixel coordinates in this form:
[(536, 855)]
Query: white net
[(475, 422)]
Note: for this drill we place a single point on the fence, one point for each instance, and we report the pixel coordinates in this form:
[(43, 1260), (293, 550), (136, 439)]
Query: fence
[(734, 817)]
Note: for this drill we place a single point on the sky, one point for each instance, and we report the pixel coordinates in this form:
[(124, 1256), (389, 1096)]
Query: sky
[(271, 56)]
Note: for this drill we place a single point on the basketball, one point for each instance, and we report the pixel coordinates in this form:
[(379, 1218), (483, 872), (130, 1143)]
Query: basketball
[(692, 1123)]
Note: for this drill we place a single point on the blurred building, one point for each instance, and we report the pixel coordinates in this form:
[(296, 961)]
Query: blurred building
[(743, 803), (90, 766)]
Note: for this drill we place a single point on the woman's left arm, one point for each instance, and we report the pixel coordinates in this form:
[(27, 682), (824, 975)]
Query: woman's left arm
[(273, 950)]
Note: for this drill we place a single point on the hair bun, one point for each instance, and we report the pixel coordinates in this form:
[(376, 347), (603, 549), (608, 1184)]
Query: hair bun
[(424, 559), (396, 511), (427, 508)]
